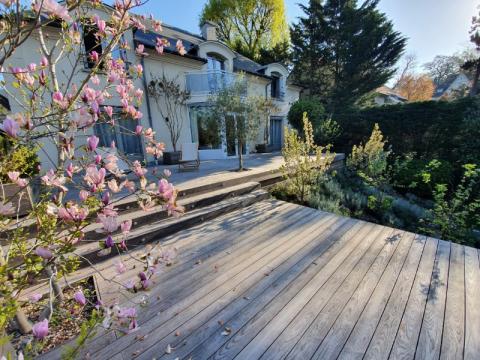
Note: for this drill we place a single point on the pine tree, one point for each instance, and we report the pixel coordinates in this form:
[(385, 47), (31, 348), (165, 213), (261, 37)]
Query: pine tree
[(342, 50)]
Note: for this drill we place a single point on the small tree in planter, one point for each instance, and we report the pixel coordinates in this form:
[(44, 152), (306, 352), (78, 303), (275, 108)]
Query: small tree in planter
[(171, 100), (232, 100)]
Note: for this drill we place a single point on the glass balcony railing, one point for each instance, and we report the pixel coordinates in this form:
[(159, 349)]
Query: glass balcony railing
[(210, 82)]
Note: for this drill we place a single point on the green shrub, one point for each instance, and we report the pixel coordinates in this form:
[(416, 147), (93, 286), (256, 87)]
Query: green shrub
[(327, 132), (311, 106), (456, 212), (419, 176), (369, 161), (22, 159)]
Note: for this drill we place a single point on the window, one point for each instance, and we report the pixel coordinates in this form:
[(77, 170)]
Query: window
[(91, 44), (215, 63), (275, 86), (122, 133), (205, 129)]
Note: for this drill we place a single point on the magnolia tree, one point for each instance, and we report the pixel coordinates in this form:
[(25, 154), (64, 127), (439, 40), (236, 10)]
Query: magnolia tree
[(61, 106)]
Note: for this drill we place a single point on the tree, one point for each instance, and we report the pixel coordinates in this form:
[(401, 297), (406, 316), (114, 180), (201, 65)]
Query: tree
[(416, 87), (61, 102), (442, 68), (342, 51), (231, 104), (473, 65), (174, 100), (408, 68), (248, 25), (280, 53)]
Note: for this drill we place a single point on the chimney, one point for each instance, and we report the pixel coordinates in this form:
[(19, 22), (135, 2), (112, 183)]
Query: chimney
[(209, 31)]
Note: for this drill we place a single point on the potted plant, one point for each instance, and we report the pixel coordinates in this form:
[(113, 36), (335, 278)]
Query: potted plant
[(171, 99), (23, 165)]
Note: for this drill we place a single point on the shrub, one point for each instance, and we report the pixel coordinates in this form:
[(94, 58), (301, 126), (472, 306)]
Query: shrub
[(22, 159), (456, 216), (311, 106), (327, 132), (419, 176), (304, 161), (369, 161)]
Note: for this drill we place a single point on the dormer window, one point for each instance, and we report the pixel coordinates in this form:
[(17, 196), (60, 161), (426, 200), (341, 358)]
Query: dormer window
[(275, 86), (215, 63)]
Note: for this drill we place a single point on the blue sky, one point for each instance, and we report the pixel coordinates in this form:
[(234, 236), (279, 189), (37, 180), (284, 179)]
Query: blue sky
[(432, 26)]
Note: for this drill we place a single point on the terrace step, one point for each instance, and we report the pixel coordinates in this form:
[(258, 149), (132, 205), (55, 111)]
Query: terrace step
[(191, 202), (156, 230)]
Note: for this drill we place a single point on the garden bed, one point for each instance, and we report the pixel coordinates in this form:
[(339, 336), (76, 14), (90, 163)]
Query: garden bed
[(65, 324)]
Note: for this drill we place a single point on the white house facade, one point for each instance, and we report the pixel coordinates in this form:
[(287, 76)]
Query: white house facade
[(207, 66)]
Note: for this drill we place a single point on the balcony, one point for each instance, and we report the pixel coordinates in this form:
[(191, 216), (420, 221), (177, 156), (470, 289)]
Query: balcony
[(210, 82)]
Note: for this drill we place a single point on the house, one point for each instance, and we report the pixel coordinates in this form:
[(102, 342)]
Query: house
[(454, 86), (207, 66), (386, 96)]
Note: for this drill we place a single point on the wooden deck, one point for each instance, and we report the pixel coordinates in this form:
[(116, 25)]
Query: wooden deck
[(277, 280)]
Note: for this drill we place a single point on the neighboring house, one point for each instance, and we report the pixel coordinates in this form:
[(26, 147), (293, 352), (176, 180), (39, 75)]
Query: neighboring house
[(386, 96), (455, 86), (208, 66)]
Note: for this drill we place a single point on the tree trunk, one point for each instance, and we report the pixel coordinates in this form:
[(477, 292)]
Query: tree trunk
[(23, 323), (240, 156), (474, 89)]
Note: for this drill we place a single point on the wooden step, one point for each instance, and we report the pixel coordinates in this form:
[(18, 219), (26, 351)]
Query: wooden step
[(165, 227)]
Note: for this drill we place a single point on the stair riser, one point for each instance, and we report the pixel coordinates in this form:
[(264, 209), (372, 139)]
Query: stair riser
[(167, 230)]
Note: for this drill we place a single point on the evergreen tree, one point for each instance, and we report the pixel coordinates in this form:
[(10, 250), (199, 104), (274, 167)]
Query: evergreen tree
[(343, 50)]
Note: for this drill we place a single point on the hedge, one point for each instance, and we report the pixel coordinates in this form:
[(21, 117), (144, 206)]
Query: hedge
[(432, 129)]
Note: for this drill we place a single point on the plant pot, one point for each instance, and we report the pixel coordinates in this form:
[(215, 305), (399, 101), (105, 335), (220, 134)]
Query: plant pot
[(19, 198), (261, 148), (172, 157)]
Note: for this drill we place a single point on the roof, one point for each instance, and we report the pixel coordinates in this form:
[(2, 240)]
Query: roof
[(149, 39), (385, 90), (445, 86), (242, 63)]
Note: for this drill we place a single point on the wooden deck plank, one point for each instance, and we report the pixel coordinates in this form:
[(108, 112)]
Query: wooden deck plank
[(251, 260), (453, 339), (203, 278), (194, 317), (386, 330), (280, 290), (301, 337), (238, 341), (430, 339), (359, 338), (396, 249), (407, 336), (472, 304)]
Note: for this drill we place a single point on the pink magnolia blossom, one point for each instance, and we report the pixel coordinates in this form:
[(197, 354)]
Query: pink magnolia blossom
[(95, 80), (92, 142), (126, 226), (130, 185), (95, 178), (167, 173), (138, 169), (11, 127), (140, 50), (106, 198), (52, 8), (34, 298), (40, 329), (109, 243), (51, 179), (80, 298), (94, 56), (120, 267), (43, 253), (166, 189), (14, 176), (180, 48), (44, 62), (73, 213), (113, 186), (84, 195), (138, 130), (98, 159), (59, 99), (7, 209), (101, 25), (109, 223), (109, 111), (149, 134), (160, 45)]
